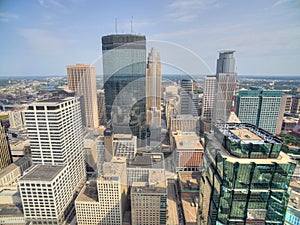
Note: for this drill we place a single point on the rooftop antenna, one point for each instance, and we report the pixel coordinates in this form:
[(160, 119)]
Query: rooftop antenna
[(131, 24), (116, 25)]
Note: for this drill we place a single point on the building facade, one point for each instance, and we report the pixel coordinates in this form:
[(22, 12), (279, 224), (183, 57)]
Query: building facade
[(5, 154), (56, 139), (261, 108), (82, 81), (101, 107), (208, 103), (149, 201), (124, 77), (225, 86), (245, 177), (188, 151)]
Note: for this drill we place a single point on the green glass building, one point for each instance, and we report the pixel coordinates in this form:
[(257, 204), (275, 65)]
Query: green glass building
[(259, 107), (245, 177)]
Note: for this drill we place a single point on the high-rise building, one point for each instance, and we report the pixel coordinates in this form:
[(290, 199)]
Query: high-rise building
[(153, 97), (288, 103), (56, 139), (82, 80), (124, 77), (149, 201), (104, 202), (225, 86), (245, 177), (5, 154), (208, 103), (260, 107), (188, 100), (16, 119), (186, 123), (101, 107), (295, 104), (188, 151)]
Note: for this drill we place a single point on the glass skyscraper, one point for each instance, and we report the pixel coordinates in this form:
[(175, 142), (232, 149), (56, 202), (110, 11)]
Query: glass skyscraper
[(259, 107), (245, 177), (124, 69)]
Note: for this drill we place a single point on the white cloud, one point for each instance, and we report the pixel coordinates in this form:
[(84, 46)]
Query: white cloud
[(189, 10), (48, 3), (5, 16)]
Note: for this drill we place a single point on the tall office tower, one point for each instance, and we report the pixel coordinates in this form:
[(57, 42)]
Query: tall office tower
[(259, 107), (56, 140), (225, 86), (245, 178), (153, 81), (153, 97), (208, 103), (101, 107), (188, 100), (82, 80), (295, 104), (124, 76), (5, 155), (288, 103), (105, 202), (188, 151), (149, 201)]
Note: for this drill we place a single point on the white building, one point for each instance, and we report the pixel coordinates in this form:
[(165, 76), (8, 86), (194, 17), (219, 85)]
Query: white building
[(56, 140), (106, 202), (187, 123)]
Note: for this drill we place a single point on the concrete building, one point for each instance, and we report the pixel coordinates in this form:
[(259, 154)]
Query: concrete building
[(124, 77), (5, 154), (188, 151), (101, 107), (104, 202), (295, 109), (149, 201), (9, 175), (245, 178), (188, 100), (261, 108), (111, 145), (56, 139), (225, 86), (208, 103), (82, 81), (292, 215), (186, 123), (140, 168), (16, 119), (11, 214), (288, 103)]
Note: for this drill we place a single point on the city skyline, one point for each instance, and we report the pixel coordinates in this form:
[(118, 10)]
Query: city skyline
[(265, 34)]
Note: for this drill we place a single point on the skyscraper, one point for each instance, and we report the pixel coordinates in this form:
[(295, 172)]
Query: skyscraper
[(5, 155), (153, 85), (225, 86), (56, 140), (82, 80), (188, 100), (208, 103), (260, 107), (245, 177), (124, 73), (101, 107)]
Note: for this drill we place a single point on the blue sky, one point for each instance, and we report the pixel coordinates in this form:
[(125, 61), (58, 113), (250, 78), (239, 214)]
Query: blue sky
[(43, 36)]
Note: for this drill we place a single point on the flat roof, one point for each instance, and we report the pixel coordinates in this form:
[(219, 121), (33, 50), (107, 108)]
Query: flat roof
[(245, 134), (189, 211), (89, 193), (187, 140), (43, 172), (10, 210)]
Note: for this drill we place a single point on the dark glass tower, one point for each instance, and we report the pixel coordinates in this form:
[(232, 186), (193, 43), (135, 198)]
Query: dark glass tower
[(245, 177), (124, 69)]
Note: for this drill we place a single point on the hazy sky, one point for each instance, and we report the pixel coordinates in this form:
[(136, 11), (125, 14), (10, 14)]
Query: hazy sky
[(43, 36)]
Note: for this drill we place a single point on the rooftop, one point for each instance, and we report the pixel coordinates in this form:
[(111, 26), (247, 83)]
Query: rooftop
[(237, 132), (187, 140), (184, 117), (190, 211), (112, 170), (88, 193), (10, 210), (148, 160), (42, 173)]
